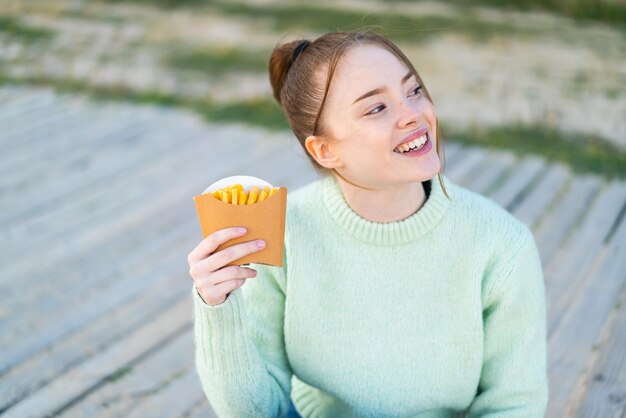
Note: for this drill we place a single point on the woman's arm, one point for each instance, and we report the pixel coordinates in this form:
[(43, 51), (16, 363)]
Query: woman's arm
[(240, 353), (514, 380)]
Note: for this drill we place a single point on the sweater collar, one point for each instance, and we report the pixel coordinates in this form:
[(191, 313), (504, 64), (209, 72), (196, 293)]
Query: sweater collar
[(388, 233)]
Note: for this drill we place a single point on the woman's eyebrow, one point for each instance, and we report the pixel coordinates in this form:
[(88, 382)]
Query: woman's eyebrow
[(381, 89)]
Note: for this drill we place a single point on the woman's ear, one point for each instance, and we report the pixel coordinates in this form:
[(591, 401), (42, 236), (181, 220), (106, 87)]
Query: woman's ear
[(320, 149)]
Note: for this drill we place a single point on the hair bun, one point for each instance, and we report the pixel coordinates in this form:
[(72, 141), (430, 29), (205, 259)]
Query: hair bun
[(281, 59)]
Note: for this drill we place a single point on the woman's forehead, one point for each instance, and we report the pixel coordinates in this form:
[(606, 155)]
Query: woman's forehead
[(370, 63), (368, 68)]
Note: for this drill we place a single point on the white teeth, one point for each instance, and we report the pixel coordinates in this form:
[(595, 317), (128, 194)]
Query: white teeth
[(416, 143)]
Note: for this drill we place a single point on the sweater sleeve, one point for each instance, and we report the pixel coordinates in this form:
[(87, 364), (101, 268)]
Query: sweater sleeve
[(239, 348), (514, 380)]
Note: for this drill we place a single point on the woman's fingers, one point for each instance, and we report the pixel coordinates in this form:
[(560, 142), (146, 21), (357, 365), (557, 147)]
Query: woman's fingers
[(227, 273), (208, 245), (217, 293), (232, 253), (213, 279), (215, 288)]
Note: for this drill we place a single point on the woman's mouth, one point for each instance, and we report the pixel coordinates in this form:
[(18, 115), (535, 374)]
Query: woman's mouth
[(416, 147)]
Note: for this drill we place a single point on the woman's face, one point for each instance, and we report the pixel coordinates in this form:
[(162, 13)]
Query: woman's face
[(363, 129)]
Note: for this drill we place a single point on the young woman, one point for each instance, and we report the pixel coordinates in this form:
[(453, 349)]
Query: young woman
[(401, 295)]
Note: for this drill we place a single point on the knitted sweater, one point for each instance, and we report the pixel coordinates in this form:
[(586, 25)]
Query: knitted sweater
[(441, 314)]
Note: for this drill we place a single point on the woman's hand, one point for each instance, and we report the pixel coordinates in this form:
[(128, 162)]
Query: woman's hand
[(212, 280)]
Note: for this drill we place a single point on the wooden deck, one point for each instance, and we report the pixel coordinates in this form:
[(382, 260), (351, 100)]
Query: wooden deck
[(97, 218)]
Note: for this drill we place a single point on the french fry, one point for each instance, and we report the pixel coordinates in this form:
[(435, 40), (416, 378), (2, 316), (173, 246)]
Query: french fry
[(254, 195), (264, 194), (234, 194)]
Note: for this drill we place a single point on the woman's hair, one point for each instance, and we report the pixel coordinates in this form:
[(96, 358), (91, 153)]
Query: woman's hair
[(296, 67)]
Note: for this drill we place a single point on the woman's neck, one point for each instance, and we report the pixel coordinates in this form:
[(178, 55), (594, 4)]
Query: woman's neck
[(387, 205)]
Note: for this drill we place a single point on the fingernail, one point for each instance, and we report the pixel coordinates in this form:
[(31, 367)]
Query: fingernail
[(260, 243), (241, 230)]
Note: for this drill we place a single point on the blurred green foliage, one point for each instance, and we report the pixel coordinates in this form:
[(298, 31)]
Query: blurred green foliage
[(606, 11), (582, 152), (305, 17), (220, 60), (12, 27), (397, 26)]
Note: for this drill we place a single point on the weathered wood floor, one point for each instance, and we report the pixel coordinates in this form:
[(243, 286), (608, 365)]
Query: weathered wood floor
[(97, 218)]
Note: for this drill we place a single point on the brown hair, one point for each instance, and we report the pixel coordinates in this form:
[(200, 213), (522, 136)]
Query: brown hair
[(289, 78)]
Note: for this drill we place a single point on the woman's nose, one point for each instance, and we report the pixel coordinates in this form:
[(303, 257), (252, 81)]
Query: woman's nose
[(407, 113)]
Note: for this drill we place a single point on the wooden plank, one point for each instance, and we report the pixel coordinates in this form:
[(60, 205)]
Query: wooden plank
[(555, 227), (496, 164), (68, 225), (41, 331), (145, 380), (36, 103), (51, 155), (18, 128), (118, 221), (74, 273), (51, 326), (603, 390), (532, 204), (453, 152), (109, 140), (70, 190), (92, 114), (175, 399), (36, 373), (565, 274), (40, 322), (61, 154), (202, 409), (34, 127), (571, 344), (519, 179), (95, 371), (101, 174), (472, 158), (12, 102), (53, 144), (104, 192), (44, 366), (286, 169)]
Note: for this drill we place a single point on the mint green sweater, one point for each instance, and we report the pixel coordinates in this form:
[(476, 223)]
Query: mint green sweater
[(442, 314)]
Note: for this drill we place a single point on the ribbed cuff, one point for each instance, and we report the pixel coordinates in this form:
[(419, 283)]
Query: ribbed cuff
[(220, 336)]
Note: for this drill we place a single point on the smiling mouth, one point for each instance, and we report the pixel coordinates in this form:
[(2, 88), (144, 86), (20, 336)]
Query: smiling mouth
[(413, 145)]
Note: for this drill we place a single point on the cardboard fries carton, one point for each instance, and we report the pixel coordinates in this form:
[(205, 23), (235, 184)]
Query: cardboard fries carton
[(264, 220)]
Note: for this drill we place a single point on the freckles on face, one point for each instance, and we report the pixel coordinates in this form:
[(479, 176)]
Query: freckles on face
[(373, 103)]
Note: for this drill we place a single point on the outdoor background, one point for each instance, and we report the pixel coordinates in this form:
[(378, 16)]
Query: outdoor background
[(542, 76), (114, 114)]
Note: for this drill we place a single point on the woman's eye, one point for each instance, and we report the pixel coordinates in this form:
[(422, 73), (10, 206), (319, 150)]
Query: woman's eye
[(381, 107), (417, 89), (415, 92)]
